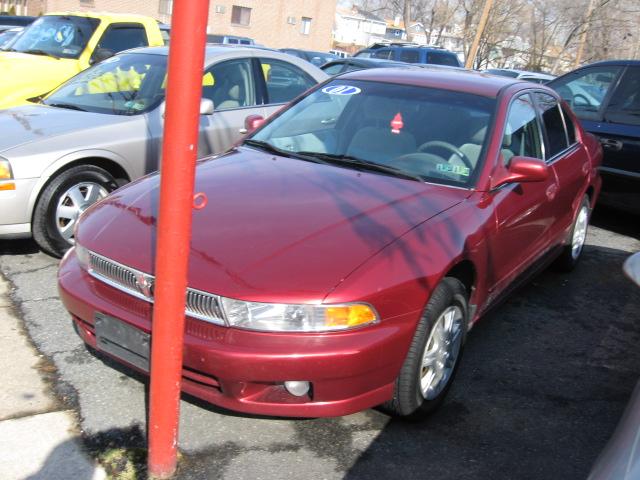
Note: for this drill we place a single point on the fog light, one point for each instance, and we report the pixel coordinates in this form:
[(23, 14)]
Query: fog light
[(297, 388)]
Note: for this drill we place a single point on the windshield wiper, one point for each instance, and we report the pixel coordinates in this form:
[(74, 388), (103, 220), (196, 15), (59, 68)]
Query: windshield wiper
[(66, 105), (37, 51), (348, 160), (267, 147)]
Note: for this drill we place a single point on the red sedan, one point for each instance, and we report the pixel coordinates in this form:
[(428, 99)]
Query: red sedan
[(349, 243)]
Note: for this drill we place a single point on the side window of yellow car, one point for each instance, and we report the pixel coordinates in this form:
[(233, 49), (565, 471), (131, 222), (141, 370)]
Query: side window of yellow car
[(123, 36), (229, 84)]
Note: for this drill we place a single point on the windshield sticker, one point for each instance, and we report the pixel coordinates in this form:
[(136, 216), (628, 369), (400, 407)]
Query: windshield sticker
[(341, 90), (396, 124), (457, 169)]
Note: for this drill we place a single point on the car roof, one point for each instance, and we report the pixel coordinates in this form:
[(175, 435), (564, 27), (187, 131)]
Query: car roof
[(366, 61), (111, 17), (605, 63), (219, 51), (457, 79)]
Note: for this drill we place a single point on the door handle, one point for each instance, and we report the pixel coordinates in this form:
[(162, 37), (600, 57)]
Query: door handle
[(611, 144)]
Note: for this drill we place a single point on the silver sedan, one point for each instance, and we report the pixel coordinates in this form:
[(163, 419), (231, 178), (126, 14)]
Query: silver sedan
[(103, 128)]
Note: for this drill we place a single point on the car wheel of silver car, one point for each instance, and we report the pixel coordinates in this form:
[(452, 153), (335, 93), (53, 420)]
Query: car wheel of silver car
[(434, 354), (572, 251), (62, 202)]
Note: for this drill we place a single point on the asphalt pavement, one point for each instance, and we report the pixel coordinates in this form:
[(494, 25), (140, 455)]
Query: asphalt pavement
[(543, 382)]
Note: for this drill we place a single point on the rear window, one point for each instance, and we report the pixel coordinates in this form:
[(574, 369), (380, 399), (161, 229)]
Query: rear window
[(443, 58)]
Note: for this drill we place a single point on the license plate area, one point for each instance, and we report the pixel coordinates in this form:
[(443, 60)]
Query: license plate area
[(122, 340)]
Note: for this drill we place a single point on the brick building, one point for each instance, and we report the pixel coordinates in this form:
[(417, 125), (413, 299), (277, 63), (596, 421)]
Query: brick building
[(305, 24)]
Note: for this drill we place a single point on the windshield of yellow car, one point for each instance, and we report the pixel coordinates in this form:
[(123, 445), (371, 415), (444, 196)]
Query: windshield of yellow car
[(56, 36), (127, 84)]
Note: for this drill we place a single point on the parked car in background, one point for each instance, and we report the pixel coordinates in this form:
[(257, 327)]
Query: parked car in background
[(230, 39), (57, 46), (606, 98), (620, 459), (10, 21), (8, 36), (103, 128), (349, 243), (536, 77), (339, 53), (410, 53), (351, 64), (316, 58)]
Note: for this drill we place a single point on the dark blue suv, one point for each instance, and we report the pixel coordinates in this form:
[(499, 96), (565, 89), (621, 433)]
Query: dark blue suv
[(606, 98), (411, 53)]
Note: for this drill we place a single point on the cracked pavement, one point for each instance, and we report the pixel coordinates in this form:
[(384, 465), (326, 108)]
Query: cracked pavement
[(543, 382)]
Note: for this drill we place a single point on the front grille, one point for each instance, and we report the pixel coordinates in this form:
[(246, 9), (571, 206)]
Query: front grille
[(200, 305)]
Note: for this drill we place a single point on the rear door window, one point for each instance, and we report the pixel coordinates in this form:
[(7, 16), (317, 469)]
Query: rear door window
[(119, 37), (624, 106), (382, 53), (410, 56), (553, 124), (283, 80)]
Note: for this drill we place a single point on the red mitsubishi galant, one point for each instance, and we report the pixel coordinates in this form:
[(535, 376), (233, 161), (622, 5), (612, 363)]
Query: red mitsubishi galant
[(349, 243)]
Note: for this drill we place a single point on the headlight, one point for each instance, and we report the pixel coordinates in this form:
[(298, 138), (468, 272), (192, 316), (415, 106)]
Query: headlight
[(6, 175), (82, 254), (276, 317)]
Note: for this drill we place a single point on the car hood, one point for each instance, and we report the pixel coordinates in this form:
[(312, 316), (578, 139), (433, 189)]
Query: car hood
[(23, 125), (25, 76), (273, 229)]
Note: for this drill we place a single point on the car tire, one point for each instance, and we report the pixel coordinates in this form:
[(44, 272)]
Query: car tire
[(415, 394), (572, 251), (61, 203)]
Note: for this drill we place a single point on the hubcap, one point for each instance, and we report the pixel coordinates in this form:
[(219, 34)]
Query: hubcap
[(73, 202), (579, 232), (441, 353)]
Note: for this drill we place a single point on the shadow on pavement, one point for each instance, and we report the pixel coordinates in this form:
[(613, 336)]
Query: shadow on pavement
[(543, 383), (616, 221), (23, 246)]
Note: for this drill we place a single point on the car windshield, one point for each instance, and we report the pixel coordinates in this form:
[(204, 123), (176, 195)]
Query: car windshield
[(127, 84), (56, 36), (420, 133)]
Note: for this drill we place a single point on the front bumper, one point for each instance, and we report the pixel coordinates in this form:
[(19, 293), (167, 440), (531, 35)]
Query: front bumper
[(245, 370), (15, 209)]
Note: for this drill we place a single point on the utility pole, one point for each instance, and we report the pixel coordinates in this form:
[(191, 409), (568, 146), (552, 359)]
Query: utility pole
[(476, 41), (583, 35)]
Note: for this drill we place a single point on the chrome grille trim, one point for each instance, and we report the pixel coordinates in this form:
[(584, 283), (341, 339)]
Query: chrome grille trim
[(201, 305)]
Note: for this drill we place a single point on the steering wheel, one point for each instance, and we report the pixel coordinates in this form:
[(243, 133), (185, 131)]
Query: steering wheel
[(447, 146), (583, 103)]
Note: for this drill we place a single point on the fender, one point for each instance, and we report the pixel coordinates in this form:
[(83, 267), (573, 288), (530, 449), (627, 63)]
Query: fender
[(69, 158)]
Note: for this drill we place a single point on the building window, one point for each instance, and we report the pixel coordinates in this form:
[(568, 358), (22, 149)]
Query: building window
[(220, 9), (166, 7), (240, 15), (306, 25)]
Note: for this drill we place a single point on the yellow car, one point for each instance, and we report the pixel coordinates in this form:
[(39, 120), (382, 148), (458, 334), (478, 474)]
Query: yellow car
[(59, 45)]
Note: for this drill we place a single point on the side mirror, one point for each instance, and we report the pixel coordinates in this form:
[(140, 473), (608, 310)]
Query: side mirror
[(632, 267), (521, 170), (252, 122), (206, 106), (101, 54)]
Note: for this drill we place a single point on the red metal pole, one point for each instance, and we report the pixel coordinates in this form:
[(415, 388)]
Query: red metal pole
[(179, 149)]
